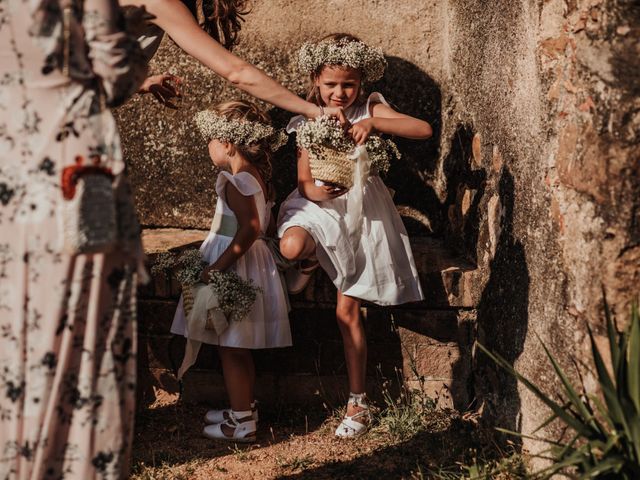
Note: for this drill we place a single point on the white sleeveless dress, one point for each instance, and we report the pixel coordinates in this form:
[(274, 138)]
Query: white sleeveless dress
[(379, 268), (267, 325)]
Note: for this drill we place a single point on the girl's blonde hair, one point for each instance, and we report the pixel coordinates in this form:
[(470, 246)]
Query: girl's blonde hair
[(221, 19), (313, 92), (259, 154)]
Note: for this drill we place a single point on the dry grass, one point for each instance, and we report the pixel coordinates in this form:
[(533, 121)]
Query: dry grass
[(411, 440)]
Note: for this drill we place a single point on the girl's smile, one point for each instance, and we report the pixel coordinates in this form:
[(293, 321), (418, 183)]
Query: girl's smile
[(338, 86)]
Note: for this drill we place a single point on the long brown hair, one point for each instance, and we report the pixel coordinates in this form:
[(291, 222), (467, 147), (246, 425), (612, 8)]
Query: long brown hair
[(221, 19), (313, 92), (259, 154)]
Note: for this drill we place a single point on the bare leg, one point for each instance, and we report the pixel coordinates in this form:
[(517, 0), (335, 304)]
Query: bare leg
[(239, 379), (297, 244), (355, 344)]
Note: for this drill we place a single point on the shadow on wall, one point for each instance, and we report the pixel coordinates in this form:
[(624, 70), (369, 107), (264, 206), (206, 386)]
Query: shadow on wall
[(412, 91), (465, 188), (503, 318)]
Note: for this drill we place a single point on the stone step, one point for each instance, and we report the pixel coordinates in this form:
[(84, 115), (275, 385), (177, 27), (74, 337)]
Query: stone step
[(427, 343), (434, 346), (446, 278)]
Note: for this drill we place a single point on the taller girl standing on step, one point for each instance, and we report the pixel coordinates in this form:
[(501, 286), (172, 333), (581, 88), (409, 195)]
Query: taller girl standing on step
[(377, 267)]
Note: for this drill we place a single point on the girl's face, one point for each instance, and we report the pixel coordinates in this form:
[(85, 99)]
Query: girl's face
[(339, 86), (219, 153)]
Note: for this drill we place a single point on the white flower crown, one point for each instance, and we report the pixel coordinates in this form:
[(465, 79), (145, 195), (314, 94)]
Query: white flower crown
[(355, 54), (212, 125)]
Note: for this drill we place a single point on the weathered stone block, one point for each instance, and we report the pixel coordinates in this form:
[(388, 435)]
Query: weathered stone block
[(155, 316)]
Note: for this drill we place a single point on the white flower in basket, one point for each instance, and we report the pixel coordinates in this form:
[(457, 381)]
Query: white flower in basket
[(331, 151)]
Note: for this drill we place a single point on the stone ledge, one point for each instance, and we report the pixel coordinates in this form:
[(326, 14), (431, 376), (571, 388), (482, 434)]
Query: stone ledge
[(410, 326), (446, 279)]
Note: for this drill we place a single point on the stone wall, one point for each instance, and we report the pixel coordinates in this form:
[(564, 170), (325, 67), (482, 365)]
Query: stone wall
[(548, 91), (532, 175)]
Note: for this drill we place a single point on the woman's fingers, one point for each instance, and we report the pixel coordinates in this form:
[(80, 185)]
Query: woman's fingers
[(158, 96), (338, 113), (168, 81), (163, 95)]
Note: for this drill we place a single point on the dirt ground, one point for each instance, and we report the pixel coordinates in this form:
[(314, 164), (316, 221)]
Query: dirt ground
[(296, 444)]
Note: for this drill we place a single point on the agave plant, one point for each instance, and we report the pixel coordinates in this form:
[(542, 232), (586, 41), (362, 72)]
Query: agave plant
[(604, 439)]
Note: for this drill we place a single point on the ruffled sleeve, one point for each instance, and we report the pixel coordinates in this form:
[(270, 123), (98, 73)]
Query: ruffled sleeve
[(295, 123), (246, 184), (375, 97), (358, 112)]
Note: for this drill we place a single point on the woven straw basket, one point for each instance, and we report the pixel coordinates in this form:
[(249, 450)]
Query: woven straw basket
[(187, 305), (331, 166)]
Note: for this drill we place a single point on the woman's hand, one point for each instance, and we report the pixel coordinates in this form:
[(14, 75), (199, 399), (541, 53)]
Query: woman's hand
[(362, 130), (162, 88), (338, 113)]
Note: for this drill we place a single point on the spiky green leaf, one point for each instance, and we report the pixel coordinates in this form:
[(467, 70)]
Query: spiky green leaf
[(569, 419), (608, 388), (613, 463), (583, 413), (612, 333), (633, 358)]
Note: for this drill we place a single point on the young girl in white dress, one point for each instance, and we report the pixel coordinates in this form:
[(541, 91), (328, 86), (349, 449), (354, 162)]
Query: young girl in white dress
[(379, 266), (241, 143)]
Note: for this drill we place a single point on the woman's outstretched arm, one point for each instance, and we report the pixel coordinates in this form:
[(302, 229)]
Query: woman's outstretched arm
[(178, 22)]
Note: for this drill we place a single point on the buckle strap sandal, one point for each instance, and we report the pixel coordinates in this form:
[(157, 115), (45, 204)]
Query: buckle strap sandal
[(298, 276), (243, 431), (219, 416), (351, 427)]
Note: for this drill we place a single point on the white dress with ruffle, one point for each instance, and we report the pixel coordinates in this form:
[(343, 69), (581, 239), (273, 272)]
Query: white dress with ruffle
[(378, 266), (267, 325)]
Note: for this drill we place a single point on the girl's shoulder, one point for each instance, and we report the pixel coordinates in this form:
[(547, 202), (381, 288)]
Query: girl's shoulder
[(363, 110), (244, 182)]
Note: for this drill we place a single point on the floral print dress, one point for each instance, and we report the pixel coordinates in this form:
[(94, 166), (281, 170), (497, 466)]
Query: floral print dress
[(67, 322)]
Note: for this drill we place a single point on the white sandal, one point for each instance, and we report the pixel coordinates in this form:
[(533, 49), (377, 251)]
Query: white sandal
[(219, 416), (350, 427), (243, 432)]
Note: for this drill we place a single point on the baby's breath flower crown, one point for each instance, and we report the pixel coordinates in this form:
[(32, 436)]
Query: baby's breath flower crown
[(214, 126), (355, 54)]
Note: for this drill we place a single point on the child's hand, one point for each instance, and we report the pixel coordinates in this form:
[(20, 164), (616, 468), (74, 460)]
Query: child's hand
[(362, 130), (331, 191), (204, 275), (162, 88)]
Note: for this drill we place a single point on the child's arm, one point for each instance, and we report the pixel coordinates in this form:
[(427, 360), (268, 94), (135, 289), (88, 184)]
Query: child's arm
[(246, 213), (385, 119), (306, 183)]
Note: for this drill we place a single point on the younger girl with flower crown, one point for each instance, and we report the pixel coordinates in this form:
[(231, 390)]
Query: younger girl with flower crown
[(313, 223), (241, 143)]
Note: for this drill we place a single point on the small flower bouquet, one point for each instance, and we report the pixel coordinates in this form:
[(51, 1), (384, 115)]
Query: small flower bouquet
[(235, 296), (330, 148)]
